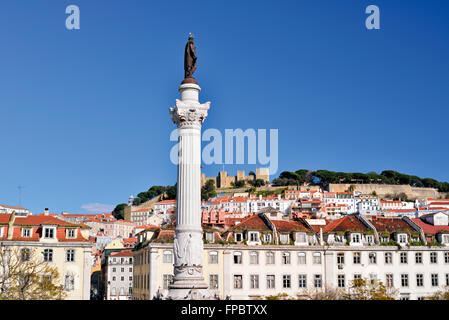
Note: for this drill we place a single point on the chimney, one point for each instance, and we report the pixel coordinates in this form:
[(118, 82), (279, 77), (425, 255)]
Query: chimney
[(46, 212), (12, 218)]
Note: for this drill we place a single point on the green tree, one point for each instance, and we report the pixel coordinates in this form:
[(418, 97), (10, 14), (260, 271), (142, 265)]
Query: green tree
[(208, 190), (118, 211), (364, 289), (25, 276), (238, 184)]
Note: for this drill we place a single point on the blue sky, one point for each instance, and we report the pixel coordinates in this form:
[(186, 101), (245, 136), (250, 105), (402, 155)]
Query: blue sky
[(84, 114)]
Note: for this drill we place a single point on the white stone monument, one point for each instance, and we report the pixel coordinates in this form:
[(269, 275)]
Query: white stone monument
[(188, 114)]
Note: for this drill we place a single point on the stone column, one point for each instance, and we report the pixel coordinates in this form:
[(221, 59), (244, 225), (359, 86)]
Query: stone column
[(188, 114)]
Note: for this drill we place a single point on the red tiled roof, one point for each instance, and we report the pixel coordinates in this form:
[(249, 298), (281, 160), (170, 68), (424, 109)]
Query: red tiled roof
[(123, 253), (253, 222), (428, 228), (166, 202), (391, 225), (130, 240), (288, 226), (346, 223)]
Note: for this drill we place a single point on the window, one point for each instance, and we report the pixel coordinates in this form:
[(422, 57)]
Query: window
[(355, 237), (210, 236), (369, 239), (70, 255), (357, 276), (238, 281), (113, 291), (286, 281), (270, 281), (316, 258), (389, 280), (404, 280), (341, 280), (238, 237), (48, 255), (372, 258), (418, 257), (113, 278), (270, 257), (447, 279), (433, 257), (69, 282), (340, 258), (254, 281), (254, 257), (317, 281), (285, 258), (434, 278), (419, 280), (284, 238), (25, 255), (356, 257), (267, 238), (49, 233), (446, 257), (237, 257), (254, 236), (167, 280), (122, 278), (113, 269), (167, 256), (26, 232), (445, 238), (301, 237), (213, 281), (403, 257), (301, 258), (130, 278), (402, 238), (302, 281), (213, 257), (70, 233)]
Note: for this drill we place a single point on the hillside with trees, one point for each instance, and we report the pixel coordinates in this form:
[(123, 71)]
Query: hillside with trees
[(324, 177)]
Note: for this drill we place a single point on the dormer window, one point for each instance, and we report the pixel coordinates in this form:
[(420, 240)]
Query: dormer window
[(301, 237), (402, 238), (369, 239), (71, 233), (238, 237), (445, 238), (254, 236), (355, 237), (49, 232), (26, 232), (210, 236), (284, 238), (267, 238)]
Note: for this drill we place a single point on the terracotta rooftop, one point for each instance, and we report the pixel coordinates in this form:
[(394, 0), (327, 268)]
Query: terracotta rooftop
[(123, 253), (346, 223), (428, 228), (391, 225)]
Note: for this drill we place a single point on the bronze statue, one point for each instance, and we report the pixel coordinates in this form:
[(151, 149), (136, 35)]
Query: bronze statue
[(189, 58)]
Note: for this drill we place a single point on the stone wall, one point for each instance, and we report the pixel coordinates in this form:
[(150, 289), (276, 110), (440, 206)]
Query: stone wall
[(383, 189)]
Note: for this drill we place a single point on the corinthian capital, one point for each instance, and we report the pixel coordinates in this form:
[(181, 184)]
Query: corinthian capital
[(189, 113)]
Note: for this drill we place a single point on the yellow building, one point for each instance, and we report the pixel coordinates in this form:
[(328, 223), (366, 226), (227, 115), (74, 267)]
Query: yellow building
[(62, 244)]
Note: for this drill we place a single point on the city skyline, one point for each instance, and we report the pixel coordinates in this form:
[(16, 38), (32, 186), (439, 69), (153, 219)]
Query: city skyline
[(86, 111)]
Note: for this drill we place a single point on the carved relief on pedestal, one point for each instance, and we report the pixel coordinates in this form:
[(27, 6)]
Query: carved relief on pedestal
[(189, 114), (188, 249)]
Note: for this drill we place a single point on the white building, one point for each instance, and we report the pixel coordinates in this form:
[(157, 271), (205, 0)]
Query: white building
[(164, 206)]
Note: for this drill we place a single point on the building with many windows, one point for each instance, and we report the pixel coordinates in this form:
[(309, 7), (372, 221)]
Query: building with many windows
[(268, 255), (59, 243), (118, 276)]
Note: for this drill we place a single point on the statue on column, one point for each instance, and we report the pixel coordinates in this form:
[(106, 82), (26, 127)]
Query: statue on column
[(189, 58)]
